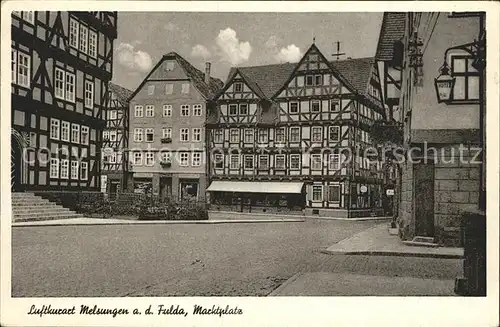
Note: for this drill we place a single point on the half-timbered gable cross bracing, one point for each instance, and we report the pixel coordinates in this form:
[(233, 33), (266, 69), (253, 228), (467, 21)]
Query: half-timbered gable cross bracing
[(61, 65), (289, 123)]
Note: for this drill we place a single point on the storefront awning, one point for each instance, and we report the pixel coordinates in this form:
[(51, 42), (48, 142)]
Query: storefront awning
[(256, 187)]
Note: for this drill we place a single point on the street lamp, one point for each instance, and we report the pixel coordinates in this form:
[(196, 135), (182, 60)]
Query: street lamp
[(444, 83)]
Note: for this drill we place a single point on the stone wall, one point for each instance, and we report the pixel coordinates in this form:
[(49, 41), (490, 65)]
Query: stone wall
[(456, 190)]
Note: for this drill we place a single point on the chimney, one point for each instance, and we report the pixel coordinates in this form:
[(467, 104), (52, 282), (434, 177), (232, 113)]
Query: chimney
[(207, 73)]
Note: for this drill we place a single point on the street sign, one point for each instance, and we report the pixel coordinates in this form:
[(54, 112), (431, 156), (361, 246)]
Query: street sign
[(389, 192)]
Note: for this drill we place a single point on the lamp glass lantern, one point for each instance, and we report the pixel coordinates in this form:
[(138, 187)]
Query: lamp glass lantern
[(444, 84)]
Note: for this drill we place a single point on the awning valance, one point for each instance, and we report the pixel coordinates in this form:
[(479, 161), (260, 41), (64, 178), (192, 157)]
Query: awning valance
[(256, 187)]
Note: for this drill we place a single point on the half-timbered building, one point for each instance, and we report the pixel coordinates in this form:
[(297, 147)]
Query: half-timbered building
[(292, 137), (443, 129), (115, 140), (167, 129), (61, 65)]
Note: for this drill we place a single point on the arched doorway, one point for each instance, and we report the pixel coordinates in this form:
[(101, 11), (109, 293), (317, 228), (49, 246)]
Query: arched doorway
[(17, 143)]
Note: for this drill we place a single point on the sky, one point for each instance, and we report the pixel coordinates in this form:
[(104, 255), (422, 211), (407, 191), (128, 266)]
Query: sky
[(235, 39)]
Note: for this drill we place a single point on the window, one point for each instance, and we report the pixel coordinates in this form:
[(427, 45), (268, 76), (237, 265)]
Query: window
[(334, 193), (317, 192), (150, 111), (333, 162), (197, 109), (93, 44), (83, 38), (263, 161), (54, 168), (112, 136), (13, 60), (184, 134), (280, 135), (75, 133), (23, 69), (315, 106), (70, 87), (59, 83), (105, 135), (184, 159), (138, 135), (150, 159), (167, 110), (137, 158), (219, 136), (243, 109), (295, 161), (73, 33), (170, 65), (54, 129), (294, 134), (263, 135), (466, 79), (166, 157), (112, 158), (196, 159), (139, 111), (279, 161), (309, 80), (318, 80), (234, 161), (248, 161), (196, 134), (169, 88), (334, 105), (85, 135), (185, 88), (151, 89), (249, 138), (64, 168), (74, 169), (316, 162), (294, 107), (233, 109), (84, 172), (89, 95), (65, 131), (238, 87), (167, 133), (235, 135), (317, 134), (184, 110), (112, 115), (150, 135), (219, 161), (334, 133), (26, 15)]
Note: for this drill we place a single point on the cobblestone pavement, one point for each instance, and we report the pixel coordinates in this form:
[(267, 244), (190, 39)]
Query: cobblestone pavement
[(191, 260)]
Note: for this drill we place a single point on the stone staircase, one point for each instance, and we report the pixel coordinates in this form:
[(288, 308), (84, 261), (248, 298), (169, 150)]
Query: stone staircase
[(30, 207)]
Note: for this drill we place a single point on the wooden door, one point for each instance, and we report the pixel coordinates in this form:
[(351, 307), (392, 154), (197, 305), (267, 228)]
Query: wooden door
[(424, 199)]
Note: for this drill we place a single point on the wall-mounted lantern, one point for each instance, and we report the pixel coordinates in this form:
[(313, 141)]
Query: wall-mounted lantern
[(444, 84)]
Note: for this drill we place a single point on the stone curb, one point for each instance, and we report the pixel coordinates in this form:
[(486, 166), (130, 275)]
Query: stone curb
[(289, 281), (396, 253), (302, 216), (156, 222)]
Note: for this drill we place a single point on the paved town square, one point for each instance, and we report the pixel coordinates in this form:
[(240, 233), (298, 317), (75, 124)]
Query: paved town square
[(194, 260)]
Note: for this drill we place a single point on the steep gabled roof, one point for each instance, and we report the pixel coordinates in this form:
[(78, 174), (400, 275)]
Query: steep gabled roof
[(193, 73), (358, 72), (122, 94), (392, 30), (269, 77), (198, 77)]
